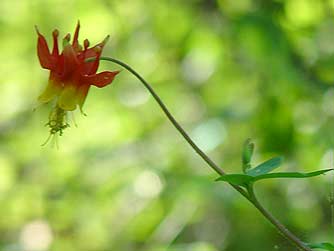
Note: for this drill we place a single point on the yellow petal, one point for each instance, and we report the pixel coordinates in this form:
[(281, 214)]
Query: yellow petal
[(82, 94), (68, 99), (53, 89)]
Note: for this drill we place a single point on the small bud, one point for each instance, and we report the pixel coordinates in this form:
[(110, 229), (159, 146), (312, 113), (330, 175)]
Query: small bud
[(247, 153)]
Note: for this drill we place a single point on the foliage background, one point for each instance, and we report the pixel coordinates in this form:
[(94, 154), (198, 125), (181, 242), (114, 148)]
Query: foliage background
[(124, 179)]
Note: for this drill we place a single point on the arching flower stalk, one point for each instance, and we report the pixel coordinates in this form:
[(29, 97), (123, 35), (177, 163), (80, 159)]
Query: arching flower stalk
[(71, 75), (73, 71)]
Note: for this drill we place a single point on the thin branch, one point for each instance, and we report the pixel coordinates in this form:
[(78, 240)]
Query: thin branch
[(250, 196)]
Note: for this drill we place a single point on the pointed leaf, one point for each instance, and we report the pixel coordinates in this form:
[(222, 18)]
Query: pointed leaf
[(323, 246), (265, 167), (290, 175), (244, 179)]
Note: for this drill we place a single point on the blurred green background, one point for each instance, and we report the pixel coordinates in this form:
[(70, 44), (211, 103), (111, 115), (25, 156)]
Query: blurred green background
[(124, 179)]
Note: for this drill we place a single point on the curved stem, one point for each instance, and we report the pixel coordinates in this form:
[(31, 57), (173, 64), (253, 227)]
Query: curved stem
[(169, 115), (286, 232), (250, 196)]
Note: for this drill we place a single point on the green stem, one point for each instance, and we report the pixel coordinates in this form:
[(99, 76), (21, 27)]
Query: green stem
[(286, 232), (250, 196)]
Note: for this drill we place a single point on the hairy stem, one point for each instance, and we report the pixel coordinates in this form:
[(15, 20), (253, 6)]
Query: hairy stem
[(250, 196)]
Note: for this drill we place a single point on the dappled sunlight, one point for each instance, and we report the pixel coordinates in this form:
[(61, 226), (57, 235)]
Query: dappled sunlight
[(121, 178)]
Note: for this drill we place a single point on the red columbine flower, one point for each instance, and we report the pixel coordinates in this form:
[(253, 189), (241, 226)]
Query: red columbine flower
[(71, 75)]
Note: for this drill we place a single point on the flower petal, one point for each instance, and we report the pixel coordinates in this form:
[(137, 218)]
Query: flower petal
[(82, 94), (55, 51), (70, 60), (68, 98), (101, 79), (44, 55), (75, 42), (94, 52), (53, 89)]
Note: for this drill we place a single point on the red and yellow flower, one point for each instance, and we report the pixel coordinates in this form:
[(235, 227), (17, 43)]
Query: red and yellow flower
[(71, 74)]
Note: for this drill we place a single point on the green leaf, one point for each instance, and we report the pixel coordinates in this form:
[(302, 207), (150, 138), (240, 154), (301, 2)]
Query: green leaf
[(291, 175), (265, 167), (236, 179), (244, 179), (324, 246)]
